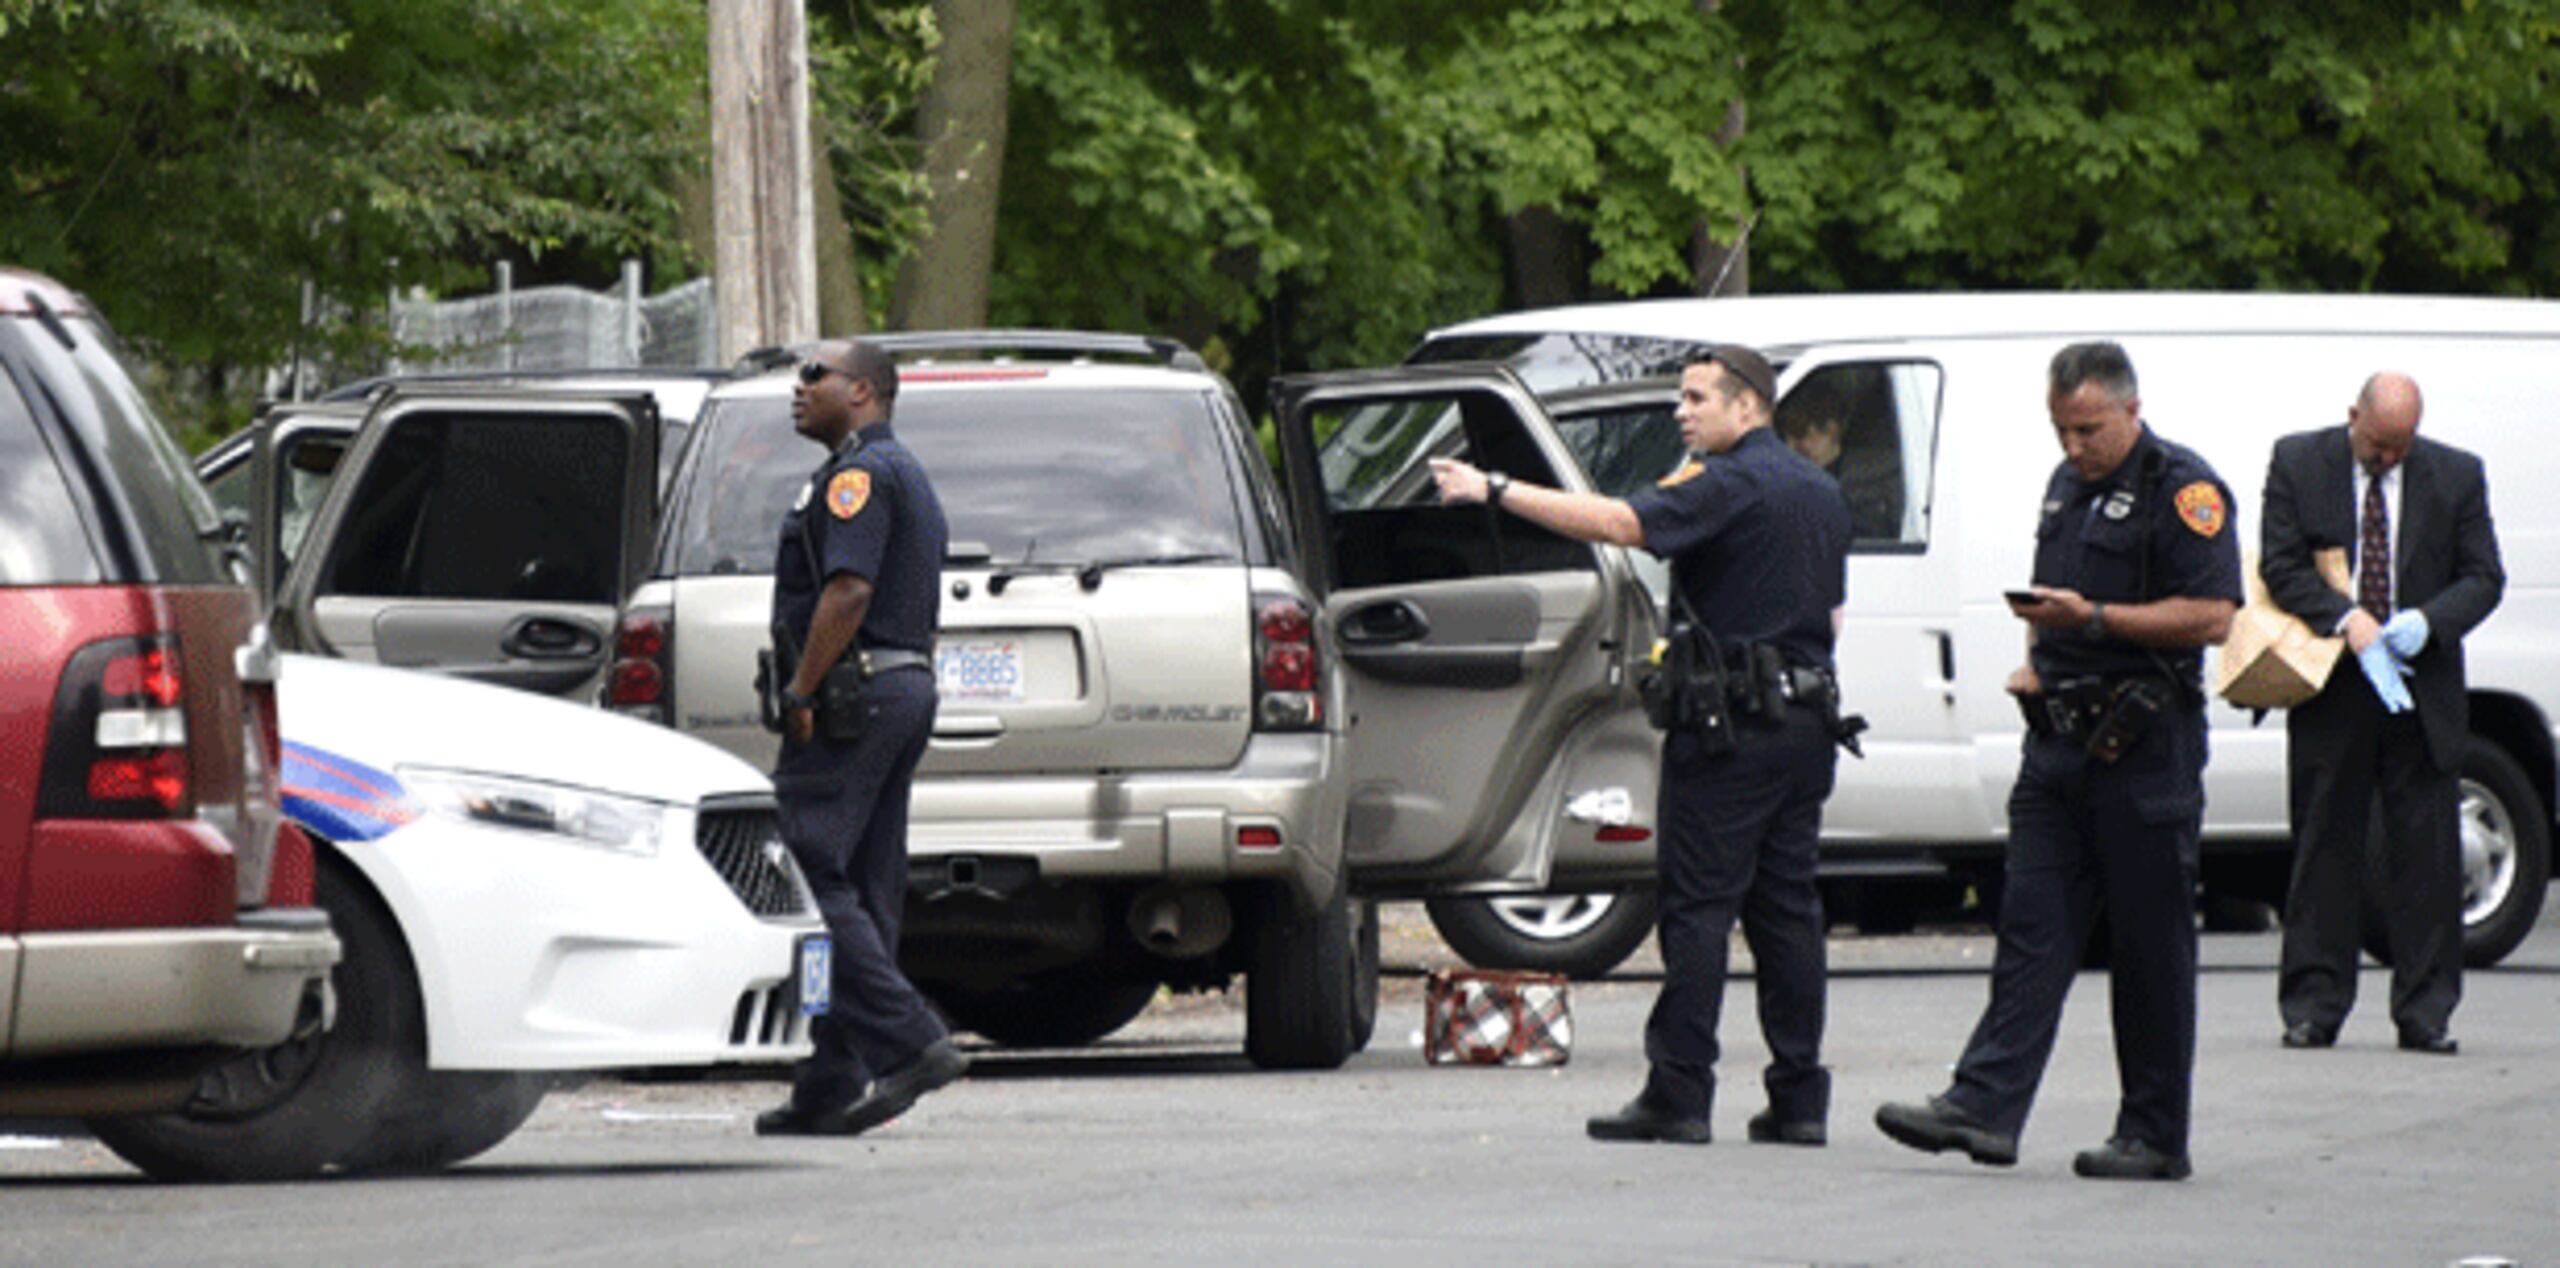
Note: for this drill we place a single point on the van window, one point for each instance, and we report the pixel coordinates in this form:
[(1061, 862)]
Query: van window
[(487, 506), (1388, 524), (41, 541), (1874, 426)]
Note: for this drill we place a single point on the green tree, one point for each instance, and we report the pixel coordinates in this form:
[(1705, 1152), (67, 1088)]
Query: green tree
[(2298, 144), (191, 163)]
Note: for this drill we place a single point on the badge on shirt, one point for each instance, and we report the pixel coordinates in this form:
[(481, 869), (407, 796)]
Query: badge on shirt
[(848, 493), (1686, 472), (2118, 505), (2200, 505)]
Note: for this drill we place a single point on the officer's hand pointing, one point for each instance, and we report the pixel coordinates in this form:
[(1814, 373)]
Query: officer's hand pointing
[(1458, 481)]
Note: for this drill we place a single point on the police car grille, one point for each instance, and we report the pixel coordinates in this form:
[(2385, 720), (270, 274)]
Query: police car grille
[(745, 848)]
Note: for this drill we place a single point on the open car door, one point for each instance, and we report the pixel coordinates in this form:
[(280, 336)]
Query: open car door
[(1485, 666), (486, 532)]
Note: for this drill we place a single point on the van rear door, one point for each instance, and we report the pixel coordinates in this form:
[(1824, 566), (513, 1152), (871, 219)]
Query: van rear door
[(1485, 665), (489, 533)]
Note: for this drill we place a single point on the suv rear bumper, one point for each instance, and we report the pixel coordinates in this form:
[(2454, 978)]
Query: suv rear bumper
[(1153, 825), (97, 991)]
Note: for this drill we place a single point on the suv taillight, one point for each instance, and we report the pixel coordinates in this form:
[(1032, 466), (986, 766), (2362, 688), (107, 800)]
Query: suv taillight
[(636, 684), (1288, 683), (119, 743)]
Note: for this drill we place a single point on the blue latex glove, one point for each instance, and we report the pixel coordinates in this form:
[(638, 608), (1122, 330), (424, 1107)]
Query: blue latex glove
[(2406, 632), (2385, 671)]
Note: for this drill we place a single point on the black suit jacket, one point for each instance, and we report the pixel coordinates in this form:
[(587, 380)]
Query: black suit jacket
[(2446, 565)]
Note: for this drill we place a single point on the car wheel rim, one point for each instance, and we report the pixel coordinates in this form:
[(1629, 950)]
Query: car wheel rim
[(253, 1083), (1554, 917), (2488, 853)]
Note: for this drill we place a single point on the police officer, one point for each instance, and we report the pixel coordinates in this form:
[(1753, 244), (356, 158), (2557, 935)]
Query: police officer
[(2137, 569), (1758, 542), (856, 599)]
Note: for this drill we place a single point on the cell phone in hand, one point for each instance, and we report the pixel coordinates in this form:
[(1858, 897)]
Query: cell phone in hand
[(2028, 597)]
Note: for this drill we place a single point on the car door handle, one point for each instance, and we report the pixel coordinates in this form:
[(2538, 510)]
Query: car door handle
[(1396, 621), (967, 726), (550, 638)]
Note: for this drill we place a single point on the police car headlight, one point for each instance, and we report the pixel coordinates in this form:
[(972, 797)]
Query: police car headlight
[(630, 825)]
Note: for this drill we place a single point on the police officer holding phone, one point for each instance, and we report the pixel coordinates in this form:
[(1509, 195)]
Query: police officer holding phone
[(2137, 568), (1758, 541), (856, 600)]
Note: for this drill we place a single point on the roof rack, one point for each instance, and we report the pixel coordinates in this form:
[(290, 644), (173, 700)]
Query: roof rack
[(1044, 345)]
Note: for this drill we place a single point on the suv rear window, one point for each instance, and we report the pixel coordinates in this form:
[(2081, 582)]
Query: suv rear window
[(162, 525), (40, 539), (1057, 477)]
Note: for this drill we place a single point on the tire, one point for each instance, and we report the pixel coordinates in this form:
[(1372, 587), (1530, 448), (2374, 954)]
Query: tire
[(1578, 935), (1299, 998), (449, 1117), (1053, 1011), (314, 1103), (2506, 861), (1364, 975)]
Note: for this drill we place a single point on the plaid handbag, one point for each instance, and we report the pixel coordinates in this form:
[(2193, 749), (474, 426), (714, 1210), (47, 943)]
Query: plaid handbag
[(1493, 1017)]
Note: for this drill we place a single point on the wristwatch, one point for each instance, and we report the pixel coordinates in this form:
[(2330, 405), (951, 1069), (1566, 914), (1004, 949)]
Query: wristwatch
[(2097, 625), (794, 700), (1494, 484)]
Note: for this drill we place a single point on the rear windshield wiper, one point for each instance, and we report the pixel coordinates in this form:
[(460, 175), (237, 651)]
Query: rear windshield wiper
[(1088, 575)]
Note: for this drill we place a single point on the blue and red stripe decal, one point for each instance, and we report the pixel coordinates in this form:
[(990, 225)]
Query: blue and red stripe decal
[(340, 799)]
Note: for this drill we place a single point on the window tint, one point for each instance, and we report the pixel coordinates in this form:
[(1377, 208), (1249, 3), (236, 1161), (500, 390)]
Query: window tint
[(487, 506), (1625, 448), (1556, 363), (1874, 427), (1388, 524), (42, 542), (1047, 477), (309, 463), (157, 501)]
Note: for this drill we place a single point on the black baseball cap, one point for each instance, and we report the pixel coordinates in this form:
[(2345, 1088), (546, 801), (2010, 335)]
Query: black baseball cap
[(1746, 365)]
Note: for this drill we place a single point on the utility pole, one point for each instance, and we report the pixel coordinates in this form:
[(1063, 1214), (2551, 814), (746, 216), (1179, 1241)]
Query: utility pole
[(766, 269)]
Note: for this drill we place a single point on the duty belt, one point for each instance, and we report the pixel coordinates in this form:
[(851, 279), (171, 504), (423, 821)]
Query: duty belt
[(876, 661), (1800, 684)]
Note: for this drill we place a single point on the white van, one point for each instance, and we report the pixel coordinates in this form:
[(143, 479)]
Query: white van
[(1947, 434)]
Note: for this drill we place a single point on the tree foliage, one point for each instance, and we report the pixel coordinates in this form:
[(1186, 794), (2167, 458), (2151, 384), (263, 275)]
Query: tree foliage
[(2310, 144), (190, 163)]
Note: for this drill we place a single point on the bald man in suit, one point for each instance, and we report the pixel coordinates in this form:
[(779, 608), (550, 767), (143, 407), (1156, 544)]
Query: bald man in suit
[(2413, 516)]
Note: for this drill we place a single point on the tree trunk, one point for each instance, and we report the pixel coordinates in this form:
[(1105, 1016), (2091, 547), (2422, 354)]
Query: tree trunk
[(961, 124), (1723, 267), (841, 314), (1546, 258)]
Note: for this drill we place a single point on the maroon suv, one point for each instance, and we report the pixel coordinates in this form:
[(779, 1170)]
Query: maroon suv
[(148, 926)]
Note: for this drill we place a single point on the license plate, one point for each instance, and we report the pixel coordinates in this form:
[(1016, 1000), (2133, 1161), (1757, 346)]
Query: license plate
[(817, 969), (986, 671)]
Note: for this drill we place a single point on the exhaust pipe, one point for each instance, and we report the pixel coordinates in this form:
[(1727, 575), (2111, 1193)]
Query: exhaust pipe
[(1181, 922)]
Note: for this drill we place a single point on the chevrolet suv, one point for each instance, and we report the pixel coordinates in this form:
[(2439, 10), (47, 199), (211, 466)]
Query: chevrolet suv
[(1196, 715), (152, 926)]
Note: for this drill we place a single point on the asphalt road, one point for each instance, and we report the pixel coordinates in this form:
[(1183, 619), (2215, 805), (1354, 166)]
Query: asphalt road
[(1163, 1145)]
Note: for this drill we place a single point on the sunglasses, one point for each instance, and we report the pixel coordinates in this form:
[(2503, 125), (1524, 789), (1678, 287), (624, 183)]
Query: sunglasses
[(812, 371)]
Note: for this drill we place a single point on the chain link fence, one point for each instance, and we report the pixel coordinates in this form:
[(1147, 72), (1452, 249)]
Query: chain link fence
[(557, 328)]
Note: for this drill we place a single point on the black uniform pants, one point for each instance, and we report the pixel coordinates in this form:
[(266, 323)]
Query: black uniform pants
[(2341, 749), (1738, 838), (2090, 839), (843, 806)]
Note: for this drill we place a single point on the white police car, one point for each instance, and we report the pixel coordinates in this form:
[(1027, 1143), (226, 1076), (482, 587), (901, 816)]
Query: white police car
[(522, 886)]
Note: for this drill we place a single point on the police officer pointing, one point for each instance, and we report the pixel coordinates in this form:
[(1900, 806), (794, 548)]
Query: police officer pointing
[(1758, 542), (856, 600), (2137, 568)]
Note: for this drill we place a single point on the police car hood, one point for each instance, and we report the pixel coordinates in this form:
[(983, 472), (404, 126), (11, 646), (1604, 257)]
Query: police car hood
[(386, 718)]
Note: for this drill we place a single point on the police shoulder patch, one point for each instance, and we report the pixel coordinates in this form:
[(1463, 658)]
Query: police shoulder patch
[(1687, 471), (2200, 506), (848, 493)]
